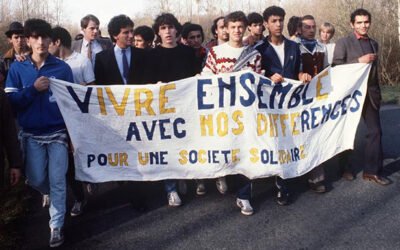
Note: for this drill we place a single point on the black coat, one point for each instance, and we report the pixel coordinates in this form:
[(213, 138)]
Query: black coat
[(106, 69)]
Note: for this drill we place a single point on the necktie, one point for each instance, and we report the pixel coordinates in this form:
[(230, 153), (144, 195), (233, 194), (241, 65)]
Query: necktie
[(89, 51), (125, 65)]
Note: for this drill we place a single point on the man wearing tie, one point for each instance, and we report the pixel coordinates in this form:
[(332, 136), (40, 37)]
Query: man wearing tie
[(122, 64), (91, 43)]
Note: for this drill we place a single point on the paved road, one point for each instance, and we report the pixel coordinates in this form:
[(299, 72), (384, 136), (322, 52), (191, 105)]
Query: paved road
[(352, 215)]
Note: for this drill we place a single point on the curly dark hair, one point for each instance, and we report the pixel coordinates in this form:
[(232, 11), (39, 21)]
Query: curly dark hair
[(273, 11), (169, 19), (117, 23), (37, 27)]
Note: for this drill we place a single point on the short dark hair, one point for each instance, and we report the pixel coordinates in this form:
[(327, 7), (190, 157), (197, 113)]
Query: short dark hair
[(59, 33), (292, 25), (37, 27), (192, 27), (236, 16), (86, 19), (359, 12), (145, 32), (117, 23), (254, 17), (307, 17), (169, 19), (214, 26), (273, 11)]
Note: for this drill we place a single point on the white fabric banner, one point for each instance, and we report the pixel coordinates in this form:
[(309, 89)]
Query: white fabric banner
[(206, 127)]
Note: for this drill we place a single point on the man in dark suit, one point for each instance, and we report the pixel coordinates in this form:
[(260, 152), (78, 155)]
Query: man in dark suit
[(91, 43), (358, 47), (122, 64)]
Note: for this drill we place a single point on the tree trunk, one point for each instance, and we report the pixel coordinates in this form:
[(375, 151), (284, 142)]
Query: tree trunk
[(398, 16)]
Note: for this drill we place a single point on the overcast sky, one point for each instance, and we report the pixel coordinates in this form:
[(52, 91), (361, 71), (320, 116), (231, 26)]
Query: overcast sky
[(106, 9), (103, 9)]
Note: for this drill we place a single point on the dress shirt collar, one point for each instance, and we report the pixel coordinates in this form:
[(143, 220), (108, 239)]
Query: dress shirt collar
[(358, 36)]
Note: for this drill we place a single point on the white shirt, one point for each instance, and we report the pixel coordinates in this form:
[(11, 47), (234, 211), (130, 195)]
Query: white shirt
[(96, 48), (81, 68), (118, 57), (330, 47), (280, 51)]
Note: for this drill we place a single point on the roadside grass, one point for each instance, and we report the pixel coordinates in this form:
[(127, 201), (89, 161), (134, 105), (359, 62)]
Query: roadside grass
[(390, 94), (13, 208)]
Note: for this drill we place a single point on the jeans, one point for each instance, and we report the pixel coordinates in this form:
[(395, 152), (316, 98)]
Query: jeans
[(46, 168), (244, 192), (170, 185)]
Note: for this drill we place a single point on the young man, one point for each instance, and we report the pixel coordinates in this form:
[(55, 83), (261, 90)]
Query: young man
[(144, 37), (276, 51), (255, 28), (219, 33), (168, 62), (80, 65), (91, 43), (326, 32), (358, 47), (193, 36), (122, 64), (314, 59), (15, 36), (43, 128), (172, 61), (83, 74), (231, 57)]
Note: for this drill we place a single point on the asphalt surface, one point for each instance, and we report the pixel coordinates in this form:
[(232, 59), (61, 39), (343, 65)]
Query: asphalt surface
[(352, 215)]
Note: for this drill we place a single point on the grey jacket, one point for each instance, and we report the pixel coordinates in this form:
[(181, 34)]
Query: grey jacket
[(348, 50), (104, 43)]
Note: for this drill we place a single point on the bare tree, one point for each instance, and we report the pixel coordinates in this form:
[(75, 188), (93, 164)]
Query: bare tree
[(165, 5), (198, 10), (58, 10)]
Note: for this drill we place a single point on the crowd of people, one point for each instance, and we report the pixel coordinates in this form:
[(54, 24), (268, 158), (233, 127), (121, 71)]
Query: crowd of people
[(165, 52)]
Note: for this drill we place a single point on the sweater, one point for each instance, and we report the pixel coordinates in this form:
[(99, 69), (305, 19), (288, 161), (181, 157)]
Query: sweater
[(171, 64), (222, 59)]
